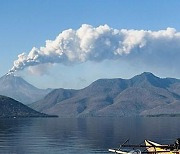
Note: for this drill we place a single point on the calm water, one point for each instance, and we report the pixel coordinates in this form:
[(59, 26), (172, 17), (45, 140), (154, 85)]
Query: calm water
[(89, 135)]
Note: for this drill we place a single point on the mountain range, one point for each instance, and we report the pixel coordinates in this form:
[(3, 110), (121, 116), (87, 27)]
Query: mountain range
[(142, 95), (17, 88), (10, 108)]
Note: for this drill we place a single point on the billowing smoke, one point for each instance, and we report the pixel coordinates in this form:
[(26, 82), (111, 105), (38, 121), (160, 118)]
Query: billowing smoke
[(90, 43)]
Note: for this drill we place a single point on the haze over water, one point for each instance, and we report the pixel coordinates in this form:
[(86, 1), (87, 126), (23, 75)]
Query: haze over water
[(84, 135)]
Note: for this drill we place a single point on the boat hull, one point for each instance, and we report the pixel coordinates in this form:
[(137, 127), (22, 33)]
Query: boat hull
[(157, 148)]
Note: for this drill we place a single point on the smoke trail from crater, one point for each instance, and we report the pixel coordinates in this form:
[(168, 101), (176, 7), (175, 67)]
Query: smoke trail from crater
[(90, 43)]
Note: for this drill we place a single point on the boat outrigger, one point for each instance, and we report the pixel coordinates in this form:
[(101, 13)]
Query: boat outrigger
[(148, 147)]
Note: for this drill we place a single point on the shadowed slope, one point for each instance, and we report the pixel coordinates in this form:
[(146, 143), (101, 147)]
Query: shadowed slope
[(144, 94), (12, 108)]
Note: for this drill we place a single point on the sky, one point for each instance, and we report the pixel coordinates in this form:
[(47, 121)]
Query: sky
[(149, 42)]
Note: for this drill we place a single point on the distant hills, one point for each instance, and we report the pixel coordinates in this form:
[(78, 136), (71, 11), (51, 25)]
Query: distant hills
[(11, 108), (142, 95), (17, 88)]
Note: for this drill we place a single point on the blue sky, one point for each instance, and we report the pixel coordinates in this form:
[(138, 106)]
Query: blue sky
[(25, 24)]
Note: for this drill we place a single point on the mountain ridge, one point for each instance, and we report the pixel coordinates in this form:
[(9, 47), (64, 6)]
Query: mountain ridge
[(144, 94), (10, 108), (16, 87)]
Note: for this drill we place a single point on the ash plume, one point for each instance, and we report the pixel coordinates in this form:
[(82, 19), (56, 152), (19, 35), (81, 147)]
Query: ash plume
[(90, 43)]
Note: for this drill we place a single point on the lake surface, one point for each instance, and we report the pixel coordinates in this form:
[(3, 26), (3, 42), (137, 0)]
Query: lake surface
[(81, 136)]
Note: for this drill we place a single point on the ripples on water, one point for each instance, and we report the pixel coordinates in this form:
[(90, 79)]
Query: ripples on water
[(81, 136)]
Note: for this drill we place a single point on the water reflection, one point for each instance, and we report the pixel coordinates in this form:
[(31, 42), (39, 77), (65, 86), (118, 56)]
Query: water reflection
[(88, 135)]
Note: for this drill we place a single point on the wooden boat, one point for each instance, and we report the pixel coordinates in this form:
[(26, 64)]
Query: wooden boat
[(153, 147), (150, 148), (125, 152)]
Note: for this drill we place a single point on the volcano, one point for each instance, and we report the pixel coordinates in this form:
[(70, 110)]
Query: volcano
[(17, 88)]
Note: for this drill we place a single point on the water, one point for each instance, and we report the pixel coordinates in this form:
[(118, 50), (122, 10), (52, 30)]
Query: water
[(82, 136)]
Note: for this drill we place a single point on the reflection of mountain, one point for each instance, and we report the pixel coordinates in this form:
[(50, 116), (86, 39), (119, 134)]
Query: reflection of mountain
[(144, 94), (12, 108), (17, 88)]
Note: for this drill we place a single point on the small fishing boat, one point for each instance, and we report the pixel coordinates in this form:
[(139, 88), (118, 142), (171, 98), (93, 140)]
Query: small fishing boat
[(148, 147), (153, 147), (125, 151)]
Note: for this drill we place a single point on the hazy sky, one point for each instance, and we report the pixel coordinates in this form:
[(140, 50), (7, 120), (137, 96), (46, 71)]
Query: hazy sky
[(26, 24)]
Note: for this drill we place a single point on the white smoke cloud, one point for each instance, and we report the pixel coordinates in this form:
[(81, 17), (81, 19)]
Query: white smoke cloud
[(41, 69), (90, 43)]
